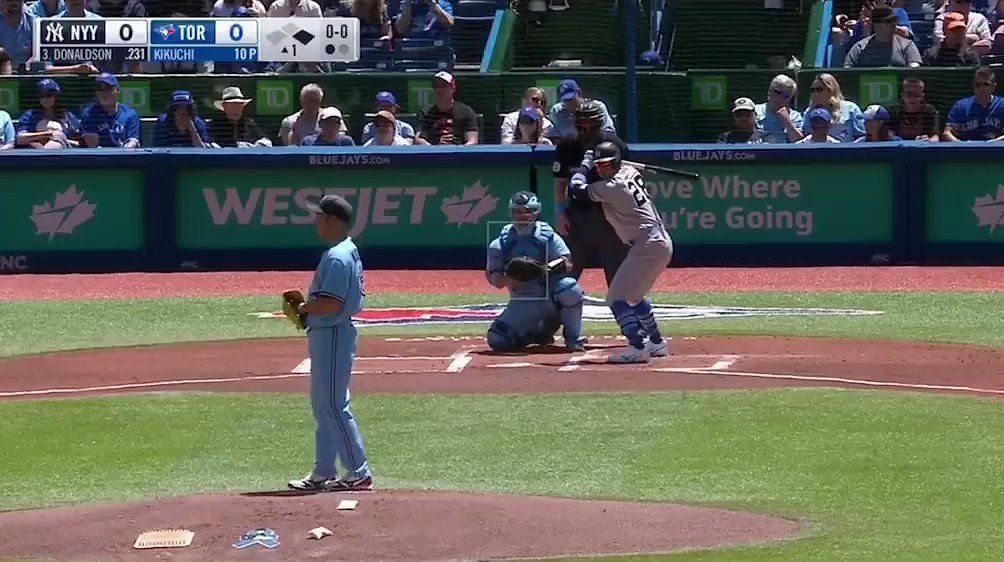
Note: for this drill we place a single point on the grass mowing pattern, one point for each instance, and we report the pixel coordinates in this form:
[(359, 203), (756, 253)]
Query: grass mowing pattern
[(42, 326), (879, 475)]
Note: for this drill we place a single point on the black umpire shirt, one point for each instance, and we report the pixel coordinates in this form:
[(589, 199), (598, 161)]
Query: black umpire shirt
[(568, 158)]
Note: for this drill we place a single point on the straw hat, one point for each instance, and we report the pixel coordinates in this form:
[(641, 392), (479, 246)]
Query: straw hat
[(231, 94)]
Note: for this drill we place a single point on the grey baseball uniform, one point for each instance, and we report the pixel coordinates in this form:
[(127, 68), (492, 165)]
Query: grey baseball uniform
[(629, 209)]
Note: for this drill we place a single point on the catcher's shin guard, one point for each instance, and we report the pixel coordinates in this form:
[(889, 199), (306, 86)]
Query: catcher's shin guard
[(567, 294)]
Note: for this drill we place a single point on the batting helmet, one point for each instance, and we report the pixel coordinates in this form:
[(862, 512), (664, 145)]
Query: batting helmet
[(589, 111), (607, 152), (525, 200)]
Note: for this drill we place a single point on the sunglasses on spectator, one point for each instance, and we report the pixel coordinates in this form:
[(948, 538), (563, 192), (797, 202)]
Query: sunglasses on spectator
[(820, 125), (909, 94), (962, 1), (537, 99), (982, 84), (817, 89), (104, 88), (383, 123), (782, 93)]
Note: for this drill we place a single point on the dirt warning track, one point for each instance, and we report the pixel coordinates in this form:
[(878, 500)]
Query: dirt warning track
[(465, 365)]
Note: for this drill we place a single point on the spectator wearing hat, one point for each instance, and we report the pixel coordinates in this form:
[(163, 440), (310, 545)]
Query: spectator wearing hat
[(234, 129), (848, 123), (532, 97), (877, 125), (914, 118), (818, 121), (848, 31), (954, 50), (977, 27), (385, 131), (530, 127), (562, 114), (385, 101), (49, 124), (979, 117), (304, 123), (777, 121), (884, 47), (744, 123), (424, 18), (180, 126), (108, 123), (448, 121), (332, 133)]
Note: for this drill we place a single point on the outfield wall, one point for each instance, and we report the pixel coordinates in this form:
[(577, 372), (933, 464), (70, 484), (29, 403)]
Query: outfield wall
[(429, 207)]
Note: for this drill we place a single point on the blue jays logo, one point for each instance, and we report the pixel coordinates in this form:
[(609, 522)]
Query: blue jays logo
[(165, 31)]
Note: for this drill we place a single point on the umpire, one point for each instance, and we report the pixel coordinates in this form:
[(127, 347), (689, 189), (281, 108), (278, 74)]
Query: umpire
[(587, 230)]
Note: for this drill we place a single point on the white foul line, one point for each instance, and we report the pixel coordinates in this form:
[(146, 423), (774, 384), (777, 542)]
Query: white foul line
[(724, 362), (816, 378), (460, 360), (147, 385)]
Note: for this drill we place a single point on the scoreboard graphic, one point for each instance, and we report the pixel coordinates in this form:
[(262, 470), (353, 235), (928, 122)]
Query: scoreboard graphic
[(194, 40)]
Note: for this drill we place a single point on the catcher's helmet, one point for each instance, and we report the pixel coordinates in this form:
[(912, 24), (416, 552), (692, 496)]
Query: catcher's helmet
[(589, 111), (607, 152), (525, 200)]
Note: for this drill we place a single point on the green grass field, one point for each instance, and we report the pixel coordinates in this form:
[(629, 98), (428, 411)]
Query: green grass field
[(875, 475)]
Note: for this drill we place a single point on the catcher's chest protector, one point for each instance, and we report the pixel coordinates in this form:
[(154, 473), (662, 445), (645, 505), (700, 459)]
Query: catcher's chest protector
[(533, 246)]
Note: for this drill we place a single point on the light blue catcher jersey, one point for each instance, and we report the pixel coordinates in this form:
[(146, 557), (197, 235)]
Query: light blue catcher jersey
[(339, 275), (543, 244)]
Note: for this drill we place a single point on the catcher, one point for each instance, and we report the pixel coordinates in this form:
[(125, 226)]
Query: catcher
[(533, 262)]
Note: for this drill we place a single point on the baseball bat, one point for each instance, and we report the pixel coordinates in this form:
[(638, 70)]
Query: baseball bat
[(662, 170)]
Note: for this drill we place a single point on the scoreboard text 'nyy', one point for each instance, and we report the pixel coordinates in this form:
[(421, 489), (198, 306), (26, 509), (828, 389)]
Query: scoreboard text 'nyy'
[(73, 40)]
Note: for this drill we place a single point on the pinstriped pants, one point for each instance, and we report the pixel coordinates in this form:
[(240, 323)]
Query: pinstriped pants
[(332, 353)]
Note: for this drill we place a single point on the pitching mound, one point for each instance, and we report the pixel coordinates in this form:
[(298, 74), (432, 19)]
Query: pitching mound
[(412, 525)]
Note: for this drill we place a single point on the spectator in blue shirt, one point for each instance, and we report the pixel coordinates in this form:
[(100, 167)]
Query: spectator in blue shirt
[(49, 124), (385, 101), (776, 120), (847, 121), (16, 29), (979, 117), (180, 126), (108, 123), (424, 18), (47, 8), (330, 121), (562, 114)]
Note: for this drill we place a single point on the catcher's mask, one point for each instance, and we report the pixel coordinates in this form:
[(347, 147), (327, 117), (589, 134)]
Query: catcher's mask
[(589, 119), (524, 208)]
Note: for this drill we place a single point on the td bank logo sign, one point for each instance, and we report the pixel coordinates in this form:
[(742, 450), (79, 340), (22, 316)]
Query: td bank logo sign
[(276, 97), (881, 89), (63, 214), (136, 94), (271, 206), (990, 210), (709, 92)]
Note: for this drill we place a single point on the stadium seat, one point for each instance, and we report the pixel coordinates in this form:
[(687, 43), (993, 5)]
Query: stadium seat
[(923, 33)]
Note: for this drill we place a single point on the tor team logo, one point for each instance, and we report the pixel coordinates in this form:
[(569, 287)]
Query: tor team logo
[(166, 31)]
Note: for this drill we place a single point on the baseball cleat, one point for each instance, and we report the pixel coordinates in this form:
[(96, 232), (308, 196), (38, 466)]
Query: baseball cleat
[(660, 349), (363, 484), (309, 484), (630, 355), (577, 345)]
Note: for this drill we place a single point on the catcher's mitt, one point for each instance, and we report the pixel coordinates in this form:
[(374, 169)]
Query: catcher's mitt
[(291, 301), (523, 269)]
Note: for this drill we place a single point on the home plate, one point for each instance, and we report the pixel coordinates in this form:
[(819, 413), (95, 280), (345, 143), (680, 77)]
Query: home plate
[(303, 368)]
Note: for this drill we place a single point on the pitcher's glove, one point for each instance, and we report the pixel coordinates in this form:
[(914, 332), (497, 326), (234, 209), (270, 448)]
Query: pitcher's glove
[(525, 269), (291, 301)]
